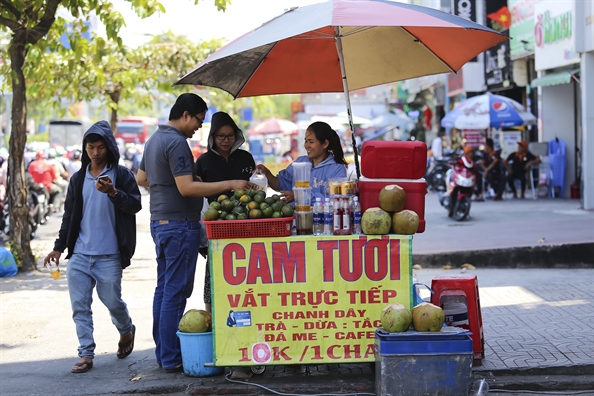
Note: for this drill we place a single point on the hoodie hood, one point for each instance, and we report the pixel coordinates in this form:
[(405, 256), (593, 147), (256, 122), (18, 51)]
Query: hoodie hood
[(103, 129), (221, 119)]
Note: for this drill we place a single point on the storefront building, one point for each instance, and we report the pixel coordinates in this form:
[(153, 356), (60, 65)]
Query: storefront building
[(559, 95), (584, 45)]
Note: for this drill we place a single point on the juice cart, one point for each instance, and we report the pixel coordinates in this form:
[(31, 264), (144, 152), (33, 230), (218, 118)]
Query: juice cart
[(283, 299)]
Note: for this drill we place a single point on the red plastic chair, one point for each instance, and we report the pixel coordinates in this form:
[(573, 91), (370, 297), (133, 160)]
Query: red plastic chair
[(453, 287)]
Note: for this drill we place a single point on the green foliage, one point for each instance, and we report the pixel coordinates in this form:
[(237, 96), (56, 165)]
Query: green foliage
[(38, 137), (35, 64)]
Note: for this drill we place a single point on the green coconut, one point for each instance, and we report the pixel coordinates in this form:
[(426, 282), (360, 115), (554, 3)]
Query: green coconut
[(427, 317), (195, 321), (392, 198), (376, 221), (396, 318)]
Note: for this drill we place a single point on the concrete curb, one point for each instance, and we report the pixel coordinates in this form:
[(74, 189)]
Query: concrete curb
[(570, 255), (571, 378)]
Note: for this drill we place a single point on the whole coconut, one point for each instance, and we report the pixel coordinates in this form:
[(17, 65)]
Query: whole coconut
[(427, 317), (376, 222), (405, 222), (392, 198), (396, 318), (195, 321)]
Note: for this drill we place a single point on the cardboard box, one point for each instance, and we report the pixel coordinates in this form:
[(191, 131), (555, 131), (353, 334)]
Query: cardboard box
[(416, 190), (382, 159)]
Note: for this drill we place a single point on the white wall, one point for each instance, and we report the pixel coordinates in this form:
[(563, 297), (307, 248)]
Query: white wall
[(587, 84), (556, 119)]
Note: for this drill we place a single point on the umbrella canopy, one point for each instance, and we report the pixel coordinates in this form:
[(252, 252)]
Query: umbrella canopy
[(343, 45), (488, 110), (274, 125)]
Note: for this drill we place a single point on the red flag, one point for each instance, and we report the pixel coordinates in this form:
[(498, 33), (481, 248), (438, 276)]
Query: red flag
[(502, 17)]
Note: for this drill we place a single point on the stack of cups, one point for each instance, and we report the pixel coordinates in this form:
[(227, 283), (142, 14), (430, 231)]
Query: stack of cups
[(302, 192)]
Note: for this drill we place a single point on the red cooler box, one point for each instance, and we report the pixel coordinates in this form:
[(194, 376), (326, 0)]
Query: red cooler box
[(381, 159), (416, 190)]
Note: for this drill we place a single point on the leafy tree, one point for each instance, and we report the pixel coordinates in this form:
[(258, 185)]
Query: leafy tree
[(35, 29)]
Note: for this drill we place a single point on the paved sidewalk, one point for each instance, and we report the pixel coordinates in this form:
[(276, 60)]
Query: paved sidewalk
[(545, 233), (538, 324)]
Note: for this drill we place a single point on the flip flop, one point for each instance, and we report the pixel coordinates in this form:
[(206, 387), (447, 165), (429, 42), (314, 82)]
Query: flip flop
[(87, 367), (177, 369), (126, 345)]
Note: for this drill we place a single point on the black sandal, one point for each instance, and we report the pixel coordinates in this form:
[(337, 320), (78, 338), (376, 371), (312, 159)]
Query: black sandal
[(87, 366), (126, 345)]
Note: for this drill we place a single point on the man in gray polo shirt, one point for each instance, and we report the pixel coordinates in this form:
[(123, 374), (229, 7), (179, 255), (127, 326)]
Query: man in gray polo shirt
[(176, 202)]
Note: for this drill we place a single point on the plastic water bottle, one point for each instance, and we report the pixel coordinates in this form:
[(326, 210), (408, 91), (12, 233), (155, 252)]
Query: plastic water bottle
[(318, 217), (356, 210), (328, 217)]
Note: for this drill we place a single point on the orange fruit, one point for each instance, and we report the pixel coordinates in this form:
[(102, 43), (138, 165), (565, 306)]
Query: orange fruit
[(255, 214)]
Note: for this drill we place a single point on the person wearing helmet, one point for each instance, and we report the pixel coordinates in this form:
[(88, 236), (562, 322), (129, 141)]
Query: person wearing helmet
[(75, 162), (44, 173)]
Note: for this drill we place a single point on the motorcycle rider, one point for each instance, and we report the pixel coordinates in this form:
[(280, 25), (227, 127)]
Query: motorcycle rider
[(466, 161), (44, 173)]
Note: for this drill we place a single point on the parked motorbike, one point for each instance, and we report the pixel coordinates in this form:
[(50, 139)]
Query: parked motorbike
[(436, 175), (460, 181), (33, 215)]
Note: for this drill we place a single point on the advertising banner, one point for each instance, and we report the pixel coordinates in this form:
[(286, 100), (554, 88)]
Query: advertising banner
[(521, 29), (304, 299), (553, 35)]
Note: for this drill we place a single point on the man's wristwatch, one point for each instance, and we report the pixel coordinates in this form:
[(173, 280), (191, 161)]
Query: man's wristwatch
[(113, 196)]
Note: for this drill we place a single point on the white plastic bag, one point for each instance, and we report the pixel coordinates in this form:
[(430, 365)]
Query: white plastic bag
[(260, 180)]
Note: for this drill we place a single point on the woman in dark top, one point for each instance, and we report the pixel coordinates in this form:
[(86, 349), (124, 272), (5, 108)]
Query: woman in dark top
[(224, 160)]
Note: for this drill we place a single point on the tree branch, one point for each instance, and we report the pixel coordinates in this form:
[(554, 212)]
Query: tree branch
[(9, 23), (46, 22), (11, 9)]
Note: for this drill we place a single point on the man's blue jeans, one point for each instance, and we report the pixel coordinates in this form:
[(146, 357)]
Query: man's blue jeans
[(84, 272), (176, 244)]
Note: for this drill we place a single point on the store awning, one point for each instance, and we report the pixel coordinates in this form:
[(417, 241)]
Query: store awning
[(554, 79)]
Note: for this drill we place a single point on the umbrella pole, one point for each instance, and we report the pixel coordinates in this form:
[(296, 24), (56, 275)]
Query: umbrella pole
[(338, 41)]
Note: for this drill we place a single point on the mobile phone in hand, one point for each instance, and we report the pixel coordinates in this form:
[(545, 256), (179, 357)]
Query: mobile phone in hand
[(104, 179)]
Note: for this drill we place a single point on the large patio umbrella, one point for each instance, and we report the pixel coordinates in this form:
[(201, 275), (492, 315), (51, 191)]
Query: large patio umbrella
[(274, 125), (343, 45), (488, 110)]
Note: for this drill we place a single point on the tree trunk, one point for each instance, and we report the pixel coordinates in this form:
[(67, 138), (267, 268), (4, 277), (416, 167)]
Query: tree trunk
[(19, 212), (115, 97)]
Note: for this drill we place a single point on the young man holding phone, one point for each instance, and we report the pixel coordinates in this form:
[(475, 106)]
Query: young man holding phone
[(99, 230)]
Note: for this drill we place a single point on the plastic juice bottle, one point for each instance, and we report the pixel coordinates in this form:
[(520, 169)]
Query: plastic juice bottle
[(338, 216), (346, 216)]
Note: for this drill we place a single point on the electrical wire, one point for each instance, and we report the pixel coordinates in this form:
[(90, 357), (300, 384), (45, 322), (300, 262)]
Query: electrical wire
[(296, 394), (582, 392)]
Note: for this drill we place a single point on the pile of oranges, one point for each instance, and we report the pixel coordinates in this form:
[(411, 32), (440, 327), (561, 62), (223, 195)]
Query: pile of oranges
[(250, 204)]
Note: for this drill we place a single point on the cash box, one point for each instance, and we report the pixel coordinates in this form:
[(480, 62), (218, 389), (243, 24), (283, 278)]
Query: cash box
[(416, 190), (423, 363), (382, 159)]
